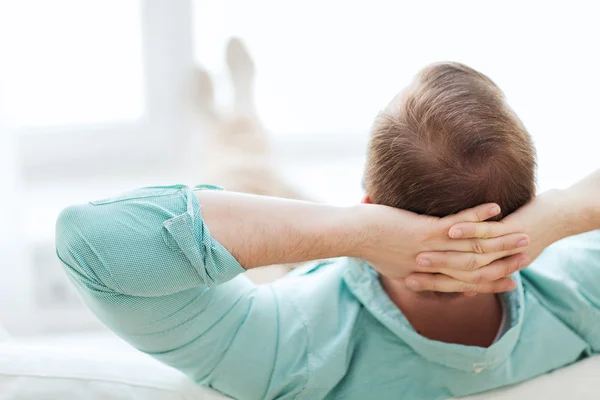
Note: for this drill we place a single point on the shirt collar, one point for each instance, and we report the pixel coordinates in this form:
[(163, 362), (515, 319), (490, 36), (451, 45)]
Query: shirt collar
[(364, 283)]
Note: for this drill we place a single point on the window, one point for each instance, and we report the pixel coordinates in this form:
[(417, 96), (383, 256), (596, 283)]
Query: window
[(96, 88), (74, 62)]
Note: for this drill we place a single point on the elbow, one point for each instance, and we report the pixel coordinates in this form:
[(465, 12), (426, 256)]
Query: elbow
[(73, 239), (67, 232)]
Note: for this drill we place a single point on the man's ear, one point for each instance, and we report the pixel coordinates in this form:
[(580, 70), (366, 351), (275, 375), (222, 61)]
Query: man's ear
[(366, 199)]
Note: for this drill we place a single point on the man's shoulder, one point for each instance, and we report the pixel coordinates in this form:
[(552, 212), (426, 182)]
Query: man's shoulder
[(574, 259), (568, 268), (564, 279)]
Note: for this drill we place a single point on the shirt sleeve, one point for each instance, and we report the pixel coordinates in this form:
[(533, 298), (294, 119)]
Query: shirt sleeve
[(144, 262), (566, 278)]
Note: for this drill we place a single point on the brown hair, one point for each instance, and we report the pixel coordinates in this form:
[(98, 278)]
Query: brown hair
[(449, 142)]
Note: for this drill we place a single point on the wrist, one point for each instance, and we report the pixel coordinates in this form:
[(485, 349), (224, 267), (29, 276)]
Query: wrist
[(562, 214), (359, 231), (583, 208), (340, 232)]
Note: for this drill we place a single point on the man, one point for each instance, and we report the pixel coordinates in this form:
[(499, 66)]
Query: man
[(160, 266)]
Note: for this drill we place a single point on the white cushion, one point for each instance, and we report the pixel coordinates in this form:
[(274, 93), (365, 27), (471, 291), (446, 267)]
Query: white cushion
[(38, 372), (3, 334)]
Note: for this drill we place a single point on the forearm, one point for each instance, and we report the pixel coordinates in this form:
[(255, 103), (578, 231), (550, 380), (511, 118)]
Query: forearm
[(260, 230), (582, 205)]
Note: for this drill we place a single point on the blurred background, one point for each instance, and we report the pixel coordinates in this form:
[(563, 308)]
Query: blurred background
[(101, 96)]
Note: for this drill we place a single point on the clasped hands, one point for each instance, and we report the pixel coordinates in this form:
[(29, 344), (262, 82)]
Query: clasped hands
[(461, 252)]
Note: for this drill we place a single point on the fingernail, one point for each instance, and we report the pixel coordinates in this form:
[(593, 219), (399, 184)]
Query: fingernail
[(413, 283), (523, 243), (456, 233), (494, 210), (423, 262)]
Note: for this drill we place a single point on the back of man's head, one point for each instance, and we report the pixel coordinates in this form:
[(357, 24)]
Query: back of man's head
[(450, 142)]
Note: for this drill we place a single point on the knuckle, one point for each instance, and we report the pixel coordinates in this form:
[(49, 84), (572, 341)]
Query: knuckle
[(472, 263), (517, 265), (488, 232), (476, 246), (476, 278), (503, 244)]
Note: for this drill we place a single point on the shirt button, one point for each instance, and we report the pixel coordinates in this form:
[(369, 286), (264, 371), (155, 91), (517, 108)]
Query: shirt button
[(478, 367)]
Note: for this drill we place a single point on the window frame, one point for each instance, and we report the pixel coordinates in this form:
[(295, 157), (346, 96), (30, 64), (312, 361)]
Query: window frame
[(167, 49)]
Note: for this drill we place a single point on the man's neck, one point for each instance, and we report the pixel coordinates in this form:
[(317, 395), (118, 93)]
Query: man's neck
[(471, 321)]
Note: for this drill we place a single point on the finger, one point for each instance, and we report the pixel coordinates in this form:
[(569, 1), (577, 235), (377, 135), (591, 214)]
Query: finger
[(463, 230), (442, 283), (460, 261), (476, 214), (492, 272), (493, 245)]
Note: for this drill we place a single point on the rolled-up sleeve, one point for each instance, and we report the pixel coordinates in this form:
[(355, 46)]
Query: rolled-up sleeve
[(147, 242), (144, 262)]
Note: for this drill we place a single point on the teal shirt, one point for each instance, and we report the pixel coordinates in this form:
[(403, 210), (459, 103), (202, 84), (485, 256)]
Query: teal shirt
[(145, 263)]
